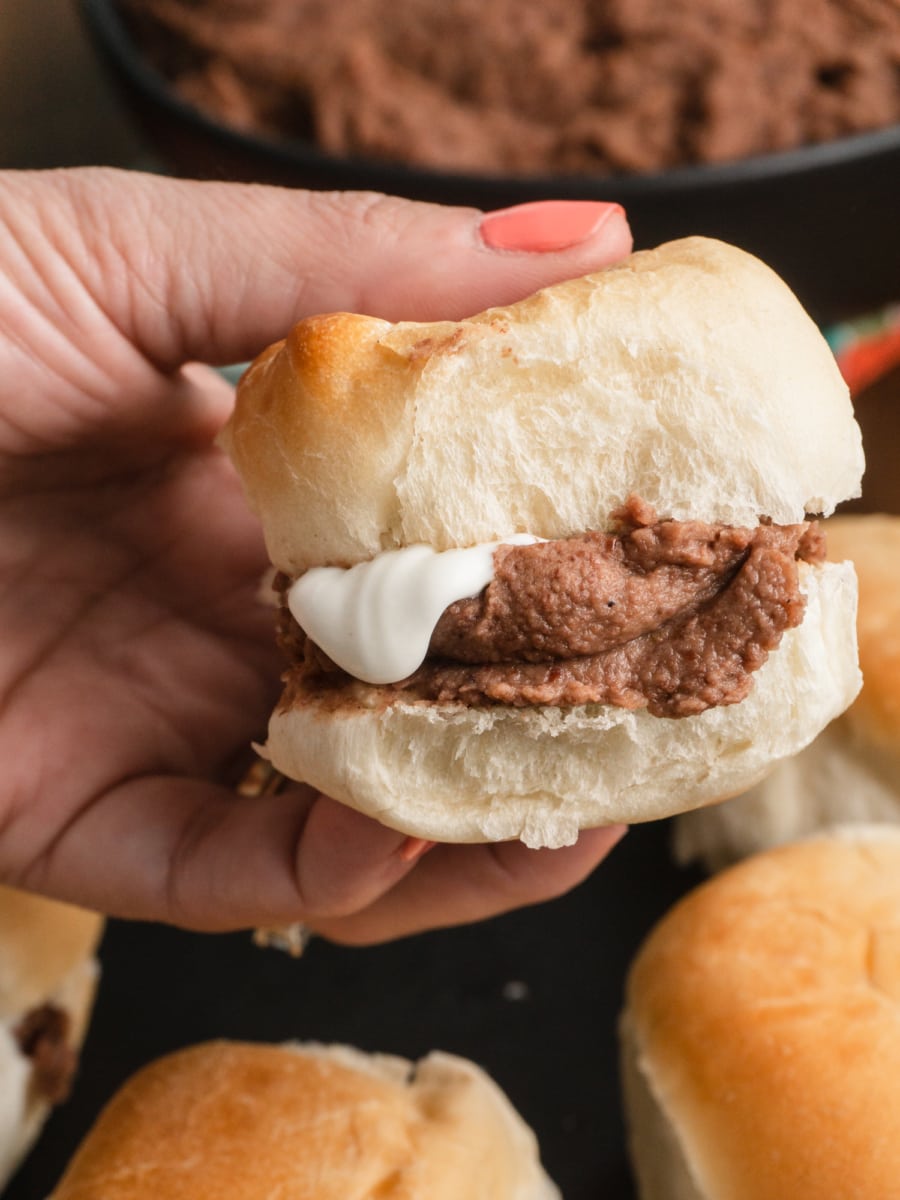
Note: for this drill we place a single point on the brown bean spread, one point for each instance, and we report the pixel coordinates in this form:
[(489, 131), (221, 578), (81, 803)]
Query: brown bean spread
[(525, 86), (43, 1036), (674, 616)]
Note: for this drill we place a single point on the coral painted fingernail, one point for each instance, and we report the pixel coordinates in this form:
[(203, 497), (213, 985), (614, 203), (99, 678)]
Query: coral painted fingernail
[(545, 225), (414, 848)]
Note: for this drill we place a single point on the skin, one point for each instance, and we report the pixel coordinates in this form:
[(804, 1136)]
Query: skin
[(137, 660)]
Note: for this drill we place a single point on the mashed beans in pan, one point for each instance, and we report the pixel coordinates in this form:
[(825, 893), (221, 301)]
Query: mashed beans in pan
[(528, 86)]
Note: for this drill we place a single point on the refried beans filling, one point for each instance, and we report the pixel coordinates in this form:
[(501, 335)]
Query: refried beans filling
[(44, 1037), (672, 616)]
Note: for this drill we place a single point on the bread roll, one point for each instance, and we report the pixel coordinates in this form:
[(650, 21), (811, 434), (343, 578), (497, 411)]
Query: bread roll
[(761, 1046), (688, 376), (48, 975), (851, 772), (309, 1122)]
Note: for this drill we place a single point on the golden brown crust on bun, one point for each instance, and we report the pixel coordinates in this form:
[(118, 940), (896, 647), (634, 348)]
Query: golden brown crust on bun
[(761, 1028), (310, 1122)]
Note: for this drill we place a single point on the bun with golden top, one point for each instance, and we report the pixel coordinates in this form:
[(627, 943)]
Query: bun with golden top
[(760, 1035), (313, 1122), (684, 385)]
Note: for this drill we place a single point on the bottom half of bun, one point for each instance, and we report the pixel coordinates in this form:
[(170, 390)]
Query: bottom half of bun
[(456, 774)]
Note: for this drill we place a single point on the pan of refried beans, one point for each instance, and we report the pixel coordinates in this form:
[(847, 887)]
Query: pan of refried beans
[(671, 616)]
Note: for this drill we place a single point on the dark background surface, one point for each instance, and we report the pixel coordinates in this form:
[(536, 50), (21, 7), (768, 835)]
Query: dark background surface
[(56, 108), (533, 996)]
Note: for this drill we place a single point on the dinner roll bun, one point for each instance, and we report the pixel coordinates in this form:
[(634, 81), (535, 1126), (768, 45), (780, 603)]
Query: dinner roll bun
[(851, 772), (312, 1122), (761, 1044), (48, 976), (688, 376)]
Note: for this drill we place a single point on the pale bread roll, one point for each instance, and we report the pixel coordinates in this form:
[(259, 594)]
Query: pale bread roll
[(851, 772), (688, 375), (761, 1044), (309, 1122), (47, 958)]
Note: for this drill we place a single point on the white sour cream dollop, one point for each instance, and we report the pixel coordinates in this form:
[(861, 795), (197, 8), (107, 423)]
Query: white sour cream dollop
[(375, 620)]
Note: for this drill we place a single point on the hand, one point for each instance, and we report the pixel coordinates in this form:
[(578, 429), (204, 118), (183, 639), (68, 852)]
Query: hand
[(138, 661)]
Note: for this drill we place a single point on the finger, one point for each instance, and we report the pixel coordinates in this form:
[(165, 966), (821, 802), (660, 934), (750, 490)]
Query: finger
[(210, 860), (455, 885), (215, 272), (196, 855), (346, 861)]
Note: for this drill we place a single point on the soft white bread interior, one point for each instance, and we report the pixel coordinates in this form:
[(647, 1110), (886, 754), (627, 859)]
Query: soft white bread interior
[(466, 775), (851, 772), (243, 1121), (689, 375), (47, 957), (761, 1036)]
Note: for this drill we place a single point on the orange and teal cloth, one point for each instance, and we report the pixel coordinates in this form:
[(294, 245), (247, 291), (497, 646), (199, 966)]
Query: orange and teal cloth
[(867, 348)]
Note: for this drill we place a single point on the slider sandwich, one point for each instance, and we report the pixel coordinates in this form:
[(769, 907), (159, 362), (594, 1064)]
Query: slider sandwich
[(761, 1034), (851, 771), (306, 1122), (48, 976), (555, 565)]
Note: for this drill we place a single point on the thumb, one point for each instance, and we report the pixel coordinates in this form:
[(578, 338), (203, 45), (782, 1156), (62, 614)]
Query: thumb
[(217, 271)]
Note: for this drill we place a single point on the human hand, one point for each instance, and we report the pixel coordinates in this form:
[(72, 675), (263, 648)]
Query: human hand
[(138, 658)]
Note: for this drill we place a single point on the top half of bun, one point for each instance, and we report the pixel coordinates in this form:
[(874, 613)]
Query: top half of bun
[(689, 374), (41, 942), (311, 1122)]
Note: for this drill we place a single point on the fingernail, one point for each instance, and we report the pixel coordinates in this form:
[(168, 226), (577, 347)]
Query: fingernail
[(545, 225), (414, 848)]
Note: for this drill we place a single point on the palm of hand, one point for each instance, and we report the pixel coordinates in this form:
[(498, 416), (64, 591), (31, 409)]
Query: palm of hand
[(129, 579)]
